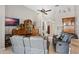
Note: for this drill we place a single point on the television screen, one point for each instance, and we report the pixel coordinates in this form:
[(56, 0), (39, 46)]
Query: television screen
[(11, 21)]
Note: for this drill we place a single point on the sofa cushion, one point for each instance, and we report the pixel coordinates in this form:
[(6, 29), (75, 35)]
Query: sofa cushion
[(17, 44), (37, 42)]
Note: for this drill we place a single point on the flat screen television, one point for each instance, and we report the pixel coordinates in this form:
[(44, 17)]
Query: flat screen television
[(11, 21)]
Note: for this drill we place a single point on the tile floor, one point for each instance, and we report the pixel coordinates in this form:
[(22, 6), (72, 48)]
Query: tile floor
[(8, 50)]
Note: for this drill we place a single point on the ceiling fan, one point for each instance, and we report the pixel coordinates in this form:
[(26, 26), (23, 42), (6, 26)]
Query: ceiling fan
[(44, 11)]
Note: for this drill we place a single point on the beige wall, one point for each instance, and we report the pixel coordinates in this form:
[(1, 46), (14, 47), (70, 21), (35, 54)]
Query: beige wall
[(59, 14), (2, 27), (77, 19), (21, 12)]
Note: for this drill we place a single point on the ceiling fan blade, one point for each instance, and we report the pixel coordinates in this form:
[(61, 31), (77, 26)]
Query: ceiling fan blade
[(48, 10), (45, 13), (42, 11)]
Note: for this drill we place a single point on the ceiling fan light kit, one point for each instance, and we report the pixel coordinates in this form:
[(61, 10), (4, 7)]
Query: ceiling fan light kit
[(44, 11)]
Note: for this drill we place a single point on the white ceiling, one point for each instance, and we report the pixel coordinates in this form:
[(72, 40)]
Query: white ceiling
[(39, 7), (50, 15)]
